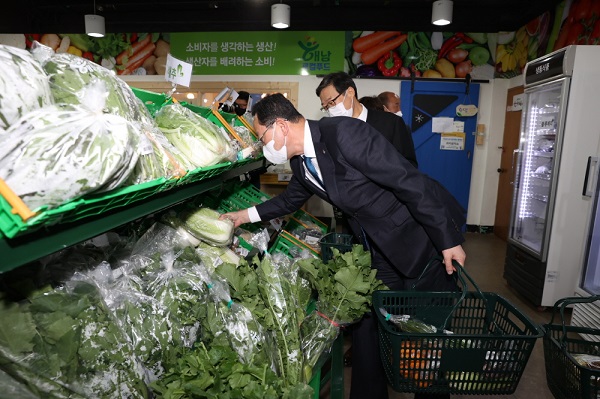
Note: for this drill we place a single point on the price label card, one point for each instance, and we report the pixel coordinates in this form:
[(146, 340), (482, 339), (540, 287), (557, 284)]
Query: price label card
[(548, 122), (178, 72)]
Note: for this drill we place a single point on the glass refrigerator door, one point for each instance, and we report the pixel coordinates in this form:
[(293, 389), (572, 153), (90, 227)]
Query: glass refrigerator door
[(539, 132)]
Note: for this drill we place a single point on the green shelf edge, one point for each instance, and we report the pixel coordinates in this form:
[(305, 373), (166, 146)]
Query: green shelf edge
[(27, 248)]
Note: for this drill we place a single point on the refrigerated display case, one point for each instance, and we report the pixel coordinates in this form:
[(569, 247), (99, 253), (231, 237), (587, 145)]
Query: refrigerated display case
[(559, 132)]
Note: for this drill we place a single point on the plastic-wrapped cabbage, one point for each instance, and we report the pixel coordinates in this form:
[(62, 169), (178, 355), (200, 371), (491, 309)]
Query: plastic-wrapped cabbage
[(54, 155), (197, 138), (71, 77), (24, 86), (204, 224), (171, 162)]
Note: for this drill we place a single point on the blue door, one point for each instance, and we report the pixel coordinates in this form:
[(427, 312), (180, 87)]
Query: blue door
[(421, 102)]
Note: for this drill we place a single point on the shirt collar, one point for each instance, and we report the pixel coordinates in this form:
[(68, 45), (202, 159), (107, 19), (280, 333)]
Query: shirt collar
[(363, 114), (309, 146)]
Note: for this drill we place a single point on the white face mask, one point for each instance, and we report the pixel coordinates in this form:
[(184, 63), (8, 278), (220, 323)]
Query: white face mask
[(340, 110), (399, 113), (274, 156)]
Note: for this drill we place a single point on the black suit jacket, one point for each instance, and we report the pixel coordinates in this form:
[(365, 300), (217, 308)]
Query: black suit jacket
[(394, 129), (403, 211)]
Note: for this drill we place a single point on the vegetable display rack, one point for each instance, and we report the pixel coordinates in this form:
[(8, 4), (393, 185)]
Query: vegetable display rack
[(486, 353), (565, 349)]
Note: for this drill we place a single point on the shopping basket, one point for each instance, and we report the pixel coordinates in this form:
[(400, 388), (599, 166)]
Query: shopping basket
[(485, 354), (564, 350)]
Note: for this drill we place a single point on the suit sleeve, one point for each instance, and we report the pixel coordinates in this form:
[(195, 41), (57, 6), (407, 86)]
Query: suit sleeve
[(292, 199)]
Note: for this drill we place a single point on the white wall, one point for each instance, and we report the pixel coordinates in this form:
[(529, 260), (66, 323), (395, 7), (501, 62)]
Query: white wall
[(486, 158)]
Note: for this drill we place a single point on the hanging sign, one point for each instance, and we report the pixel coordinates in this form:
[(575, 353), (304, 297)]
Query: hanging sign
[(466, 110), (177, 71)]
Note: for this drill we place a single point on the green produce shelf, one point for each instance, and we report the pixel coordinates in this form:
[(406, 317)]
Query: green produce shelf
[(153, 101), (12, 225), (45, 239)]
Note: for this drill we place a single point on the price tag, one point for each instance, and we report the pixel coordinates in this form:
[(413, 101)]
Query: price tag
[(466, 110), (548, 122), (178, 72)]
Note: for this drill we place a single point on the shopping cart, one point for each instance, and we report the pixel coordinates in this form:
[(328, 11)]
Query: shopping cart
[(568, 354), (485, 353)]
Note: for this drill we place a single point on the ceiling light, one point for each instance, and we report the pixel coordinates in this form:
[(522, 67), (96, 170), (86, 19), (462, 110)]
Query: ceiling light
[(280, 16), (441, 13), (94, 24)]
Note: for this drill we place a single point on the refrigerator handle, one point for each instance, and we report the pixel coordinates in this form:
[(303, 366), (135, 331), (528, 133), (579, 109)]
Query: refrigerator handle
[(586, 192), (512, 165)]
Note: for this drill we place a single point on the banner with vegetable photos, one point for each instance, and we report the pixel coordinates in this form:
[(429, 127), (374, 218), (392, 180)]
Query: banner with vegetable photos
[(577, 22), (260, 53), (124, 53), (422, 54)]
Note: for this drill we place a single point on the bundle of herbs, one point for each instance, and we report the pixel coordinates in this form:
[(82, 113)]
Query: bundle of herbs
[(344, 286)]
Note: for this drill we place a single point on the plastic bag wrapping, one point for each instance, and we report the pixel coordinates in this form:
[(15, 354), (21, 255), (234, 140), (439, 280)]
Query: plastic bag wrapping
[(212, 256), (244, 333), (158, 158), (318, 333), (55, 155), (181, 291), (279, 296), (258, 239), (65, 343), (344, 287), (204, 224), (160, 239), (23, 84), (197, 138), (72, 78), (151, 330)]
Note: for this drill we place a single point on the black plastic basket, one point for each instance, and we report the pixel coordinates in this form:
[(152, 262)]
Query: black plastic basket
[(486, 353), (567, 378)]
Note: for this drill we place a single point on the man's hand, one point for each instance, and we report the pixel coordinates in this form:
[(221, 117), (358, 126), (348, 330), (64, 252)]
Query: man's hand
[(238, 218), (455, 253)]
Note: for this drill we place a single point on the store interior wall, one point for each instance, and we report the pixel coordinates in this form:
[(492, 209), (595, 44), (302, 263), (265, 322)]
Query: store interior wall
[(484, 179)]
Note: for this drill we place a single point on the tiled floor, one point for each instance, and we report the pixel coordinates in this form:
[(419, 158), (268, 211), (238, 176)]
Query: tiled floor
[(485, 263)]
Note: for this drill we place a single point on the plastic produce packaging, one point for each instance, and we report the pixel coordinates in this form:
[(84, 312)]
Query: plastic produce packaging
[(24, 86), (54, 155), (200, 140)]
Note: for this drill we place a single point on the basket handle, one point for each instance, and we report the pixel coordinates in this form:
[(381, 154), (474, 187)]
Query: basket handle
[(460, 275), (562, 303)]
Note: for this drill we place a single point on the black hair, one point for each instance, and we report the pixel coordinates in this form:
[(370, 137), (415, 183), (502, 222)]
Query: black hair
[(275, 106), (372, 103), (243, 95), (340, 80)]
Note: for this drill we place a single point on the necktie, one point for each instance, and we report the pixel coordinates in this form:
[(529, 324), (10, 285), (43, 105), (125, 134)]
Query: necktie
[(312, 170)]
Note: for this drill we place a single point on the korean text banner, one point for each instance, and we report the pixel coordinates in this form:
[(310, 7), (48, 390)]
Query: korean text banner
[(260, 53)]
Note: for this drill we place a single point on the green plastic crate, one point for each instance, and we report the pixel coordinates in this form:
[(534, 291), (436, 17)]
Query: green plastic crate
[(204, 173), (12, 225), (288, 245), (153, 101)]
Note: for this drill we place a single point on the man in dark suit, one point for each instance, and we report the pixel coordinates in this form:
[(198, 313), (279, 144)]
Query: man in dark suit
[(397, 211), (339, 97)]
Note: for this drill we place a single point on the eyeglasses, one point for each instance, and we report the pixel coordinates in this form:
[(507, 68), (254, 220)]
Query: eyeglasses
[(265, 132), (330, 103)]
